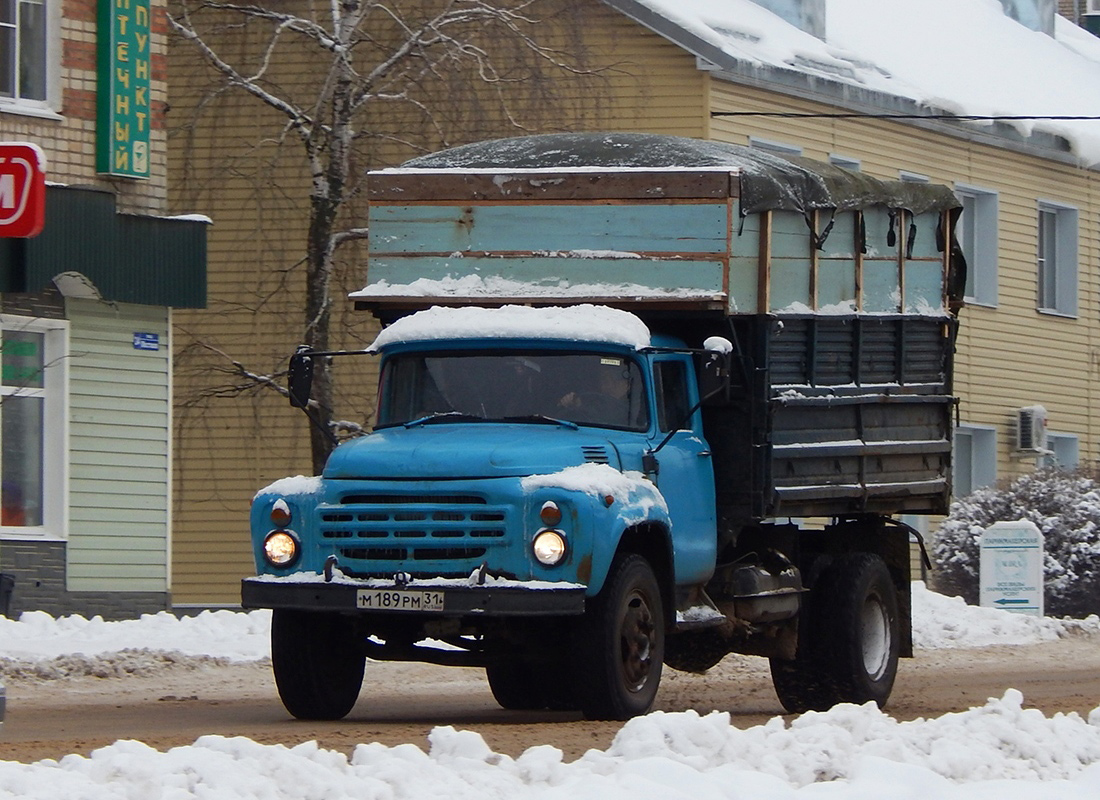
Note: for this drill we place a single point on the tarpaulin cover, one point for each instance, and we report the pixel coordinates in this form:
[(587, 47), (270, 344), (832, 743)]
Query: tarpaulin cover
[(768, 182)]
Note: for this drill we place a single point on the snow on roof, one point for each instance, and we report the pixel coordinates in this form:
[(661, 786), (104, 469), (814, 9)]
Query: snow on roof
[(954, 56), (584, 323)]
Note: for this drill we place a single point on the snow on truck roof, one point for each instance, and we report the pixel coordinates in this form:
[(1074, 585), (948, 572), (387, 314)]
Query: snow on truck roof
[(767, 181), (588, 323)]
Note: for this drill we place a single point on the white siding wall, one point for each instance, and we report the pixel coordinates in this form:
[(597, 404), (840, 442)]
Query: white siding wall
[(119, 448)]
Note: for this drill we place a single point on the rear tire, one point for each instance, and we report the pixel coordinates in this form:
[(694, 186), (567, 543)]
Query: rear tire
[(620, 643), (848, 641), (318, 663)]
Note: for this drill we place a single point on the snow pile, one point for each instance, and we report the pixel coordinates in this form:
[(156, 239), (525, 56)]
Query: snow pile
[(41, 646), (586, 323), (999, 750), (946, 622)]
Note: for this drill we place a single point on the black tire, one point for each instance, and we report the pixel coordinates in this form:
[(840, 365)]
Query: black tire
[(864, 641), (527, 686), (849, 639), (514, 687), (318, 663), (620, 643)]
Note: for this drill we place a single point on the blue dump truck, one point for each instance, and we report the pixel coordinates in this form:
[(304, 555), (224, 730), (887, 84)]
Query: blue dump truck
[(644, 401)]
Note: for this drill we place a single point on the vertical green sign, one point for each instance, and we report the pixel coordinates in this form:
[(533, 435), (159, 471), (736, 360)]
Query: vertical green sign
[(123, 108)]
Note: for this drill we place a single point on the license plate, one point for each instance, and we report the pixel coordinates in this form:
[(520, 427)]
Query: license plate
[(398, 600)]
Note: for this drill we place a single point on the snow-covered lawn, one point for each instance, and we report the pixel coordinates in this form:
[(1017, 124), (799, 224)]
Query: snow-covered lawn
[(999, 750)]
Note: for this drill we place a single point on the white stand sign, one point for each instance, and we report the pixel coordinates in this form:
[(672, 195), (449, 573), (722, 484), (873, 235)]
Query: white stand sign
[(1012, 567)]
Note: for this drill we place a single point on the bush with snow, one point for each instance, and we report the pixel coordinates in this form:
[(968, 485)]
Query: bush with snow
[(1066, 508)]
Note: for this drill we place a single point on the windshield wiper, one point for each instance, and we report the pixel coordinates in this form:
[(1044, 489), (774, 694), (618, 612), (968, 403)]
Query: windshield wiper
[(444, 416), (543, 418)]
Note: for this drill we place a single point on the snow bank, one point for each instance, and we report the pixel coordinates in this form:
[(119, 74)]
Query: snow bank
[(999, 750)]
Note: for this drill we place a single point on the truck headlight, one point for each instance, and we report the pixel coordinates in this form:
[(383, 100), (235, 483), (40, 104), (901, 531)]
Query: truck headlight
[(280, 513), (281, 548), (549, 547)]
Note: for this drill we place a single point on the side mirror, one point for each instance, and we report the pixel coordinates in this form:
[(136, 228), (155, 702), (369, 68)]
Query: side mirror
[(299, 378), (714, 371)]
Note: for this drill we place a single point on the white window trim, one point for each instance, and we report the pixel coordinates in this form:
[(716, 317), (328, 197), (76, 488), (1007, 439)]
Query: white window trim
[(1066, 234), (1054, 440), (55, 445), (912, 177), (51, 106), (983, 459), (846, 162), (982, 264), (779, 148)]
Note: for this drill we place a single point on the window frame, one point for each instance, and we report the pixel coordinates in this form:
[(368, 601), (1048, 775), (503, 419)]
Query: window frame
[(980, 442), (50, 105), (775, 147), (1059, 298), (1064, 451), (980, 226), (55, 455)]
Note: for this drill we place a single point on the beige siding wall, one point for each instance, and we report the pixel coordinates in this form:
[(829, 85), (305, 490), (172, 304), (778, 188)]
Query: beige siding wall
[(231, 439), (1008, 356), (119, 448)]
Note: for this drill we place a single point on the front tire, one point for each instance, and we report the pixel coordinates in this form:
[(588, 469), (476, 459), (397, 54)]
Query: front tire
[(318, 663), (620, 647)]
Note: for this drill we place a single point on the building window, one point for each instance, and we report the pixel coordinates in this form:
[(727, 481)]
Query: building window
[(975, 458), (1057, 259), (977, 233), (844, 161), (779, 148), (1064, 451), (32, 427), (26, 28)]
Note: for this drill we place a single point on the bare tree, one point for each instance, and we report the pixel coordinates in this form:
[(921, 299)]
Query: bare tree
[(368, 54)]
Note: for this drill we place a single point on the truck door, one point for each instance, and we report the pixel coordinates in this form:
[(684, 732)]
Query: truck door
[(686, 475)]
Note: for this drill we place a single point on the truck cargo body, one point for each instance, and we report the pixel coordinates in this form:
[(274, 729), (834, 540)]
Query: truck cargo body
[(780, 334)]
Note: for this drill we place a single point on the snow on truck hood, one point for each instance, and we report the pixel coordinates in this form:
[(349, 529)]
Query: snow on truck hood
[(581, 323), (444, 450)]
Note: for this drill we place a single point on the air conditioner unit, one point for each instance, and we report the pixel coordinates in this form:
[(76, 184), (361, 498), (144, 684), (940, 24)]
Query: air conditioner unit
[(1031, 429)]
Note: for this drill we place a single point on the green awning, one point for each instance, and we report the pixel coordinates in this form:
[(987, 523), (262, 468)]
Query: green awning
[(130, 258)]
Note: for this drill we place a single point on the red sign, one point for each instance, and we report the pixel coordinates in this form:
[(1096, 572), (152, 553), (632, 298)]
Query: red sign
[(22, 189)]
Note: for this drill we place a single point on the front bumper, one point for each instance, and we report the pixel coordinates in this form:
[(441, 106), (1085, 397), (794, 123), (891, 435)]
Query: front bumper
[(460, 600)]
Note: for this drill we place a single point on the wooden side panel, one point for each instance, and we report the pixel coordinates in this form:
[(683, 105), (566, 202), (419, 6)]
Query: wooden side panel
[(681, 229), (119, 449)]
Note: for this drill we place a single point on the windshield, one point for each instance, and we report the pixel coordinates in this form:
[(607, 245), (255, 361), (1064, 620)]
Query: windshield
[(584, 388)]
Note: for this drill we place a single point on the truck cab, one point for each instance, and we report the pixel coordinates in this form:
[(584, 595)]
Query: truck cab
[(509, 469)]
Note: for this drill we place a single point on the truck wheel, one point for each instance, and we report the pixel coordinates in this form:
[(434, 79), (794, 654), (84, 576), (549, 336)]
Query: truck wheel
[(863, 640), (621, 642), (527, 686), (317, 662), (514, 686), (848, 639)]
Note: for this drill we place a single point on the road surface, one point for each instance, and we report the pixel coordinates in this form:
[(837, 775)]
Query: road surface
[(403, 702)]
